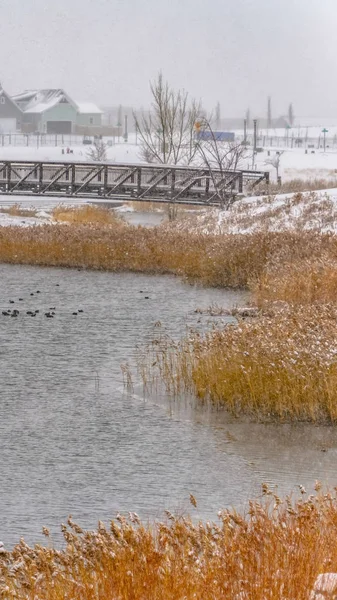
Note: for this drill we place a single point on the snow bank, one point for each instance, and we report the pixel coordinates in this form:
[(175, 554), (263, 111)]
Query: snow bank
[(284, 212)]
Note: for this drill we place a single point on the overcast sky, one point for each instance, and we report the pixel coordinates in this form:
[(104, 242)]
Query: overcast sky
[(234, 51)]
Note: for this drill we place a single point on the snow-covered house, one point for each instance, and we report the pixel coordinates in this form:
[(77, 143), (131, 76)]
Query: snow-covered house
[(89, 115), (47, 111), (10, 113), (53, 111)]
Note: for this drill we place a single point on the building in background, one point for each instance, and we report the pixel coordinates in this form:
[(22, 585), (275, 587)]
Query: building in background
[(50, 111), (10, 114)]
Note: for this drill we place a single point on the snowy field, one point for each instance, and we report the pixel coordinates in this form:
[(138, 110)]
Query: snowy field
[(315, 211), (246, 215), (294, 163)]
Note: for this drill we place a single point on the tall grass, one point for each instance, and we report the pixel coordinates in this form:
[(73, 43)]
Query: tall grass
[(222, 261), (299, 282), (276, 549), (16, 210), (279, 367), (294, 185), (87, 213)]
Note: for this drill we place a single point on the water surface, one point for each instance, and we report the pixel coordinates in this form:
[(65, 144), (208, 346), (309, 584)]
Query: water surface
[(72, 442)]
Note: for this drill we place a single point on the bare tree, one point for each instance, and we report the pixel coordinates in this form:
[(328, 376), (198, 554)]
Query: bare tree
[(274, 161), (167, 133), (222, 160), (98, 151)]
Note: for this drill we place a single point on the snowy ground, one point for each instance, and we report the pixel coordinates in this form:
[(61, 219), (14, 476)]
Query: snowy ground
[(248, 214), (294, 163), (120, 153), (285, 212)]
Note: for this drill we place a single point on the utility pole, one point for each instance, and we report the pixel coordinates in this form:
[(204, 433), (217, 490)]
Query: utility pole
[(255, 139), (126, 128)]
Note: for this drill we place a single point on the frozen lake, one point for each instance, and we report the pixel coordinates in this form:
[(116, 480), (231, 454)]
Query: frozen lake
[(73, 442)]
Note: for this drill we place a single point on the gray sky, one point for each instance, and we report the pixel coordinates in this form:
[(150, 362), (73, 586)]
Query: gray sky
[(234, 51)]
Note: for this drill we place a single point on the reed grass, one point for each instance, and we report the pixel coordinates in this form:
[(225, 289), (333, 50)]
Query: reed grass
[(293, 185), (236, 261), (85, 214), (308, 281), (277, 367), (213, 260), (16, 210), (275, 549)]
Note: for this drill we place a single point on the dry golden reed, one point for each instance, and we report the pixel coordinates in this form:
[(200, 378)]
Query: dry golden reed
[(280, 367), (87, 213), (307, 281), (235, 261), (16, 210), (275, 549), (295, 185)]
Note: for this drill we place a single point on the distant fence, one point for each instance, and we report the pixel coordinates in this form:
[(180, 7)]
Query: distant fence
[(288, 140), (37, 140)]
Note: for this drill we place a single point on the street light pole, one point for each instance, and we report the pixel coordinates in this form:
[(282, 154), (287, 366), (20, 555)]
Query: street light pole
[(254, 141)]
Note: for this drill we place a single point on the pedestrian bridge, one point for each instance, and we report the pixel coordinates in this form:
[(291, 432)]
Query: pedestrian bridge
[(155, 183)]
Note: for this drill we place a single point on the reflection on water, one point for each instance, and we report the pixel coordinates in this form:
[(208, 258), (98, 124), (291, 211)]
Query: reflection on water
[(73, 442), (146, 219)]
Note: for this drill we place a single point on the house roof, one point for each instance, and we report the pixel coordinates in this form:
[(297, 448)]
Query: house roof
[(24, 96), (88, 108), (38, 101)]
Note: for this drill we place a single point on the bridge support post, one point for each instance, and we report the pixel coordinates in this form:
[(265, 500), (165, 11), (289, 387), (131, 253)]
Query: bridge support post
[(173, 181), (105, 180), (9, 172), (40, 176), (73, 178), (240, 183), (139, 182)]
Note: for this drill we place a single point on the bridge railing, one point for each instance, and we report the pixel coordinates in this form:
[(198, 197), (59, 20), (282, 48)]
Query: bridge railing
[(124, 181)]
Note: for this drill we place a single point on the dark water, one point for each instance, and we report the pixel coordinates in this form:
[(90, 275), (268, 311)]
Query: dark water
[(72, 442)]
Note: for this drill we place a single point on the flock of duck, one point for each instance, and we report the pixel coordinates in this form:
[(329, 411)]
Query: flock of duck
[(50, 313)]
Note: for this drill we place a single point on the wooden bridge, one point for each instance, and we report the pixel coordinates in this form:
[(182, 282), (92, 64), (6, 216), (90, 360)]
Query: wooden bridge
[(155, 183)]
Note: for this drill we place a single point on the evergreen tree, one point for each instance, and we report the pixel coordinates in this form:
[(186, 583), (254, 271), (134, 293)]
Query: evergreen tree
[(248, 117), (218, 117), (119, 116), (269, 119)]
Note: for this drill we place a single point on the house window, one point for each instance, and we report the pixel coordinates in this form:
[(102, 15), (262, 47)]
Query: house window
[(3, 100), (91, 120)]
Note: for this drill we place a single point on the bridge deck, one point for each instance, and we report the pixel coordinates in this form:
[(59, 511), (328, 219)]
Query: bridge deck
[(124, 181)]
